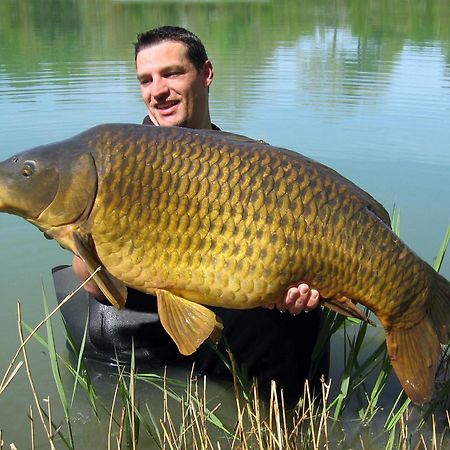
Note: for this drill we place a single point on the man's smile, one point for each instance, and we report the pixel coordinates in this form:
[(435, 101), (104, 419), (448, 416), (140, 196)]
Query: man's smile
[(167, 107)]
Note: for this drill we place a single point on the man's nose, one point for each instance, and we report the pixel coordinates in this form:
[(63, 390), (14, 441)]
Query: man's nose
[(159, 88)]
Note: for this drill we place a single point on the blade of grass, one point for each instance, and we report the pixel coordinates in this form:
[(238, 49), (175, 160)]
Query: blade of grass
[(10, 377), (393, 416), (442, 250), (80, 365), (378, 387), (395, 220), (330, 322), (23, 341), (355, 345), (6, 375), (81, 379), (155, 428), (55, 370)]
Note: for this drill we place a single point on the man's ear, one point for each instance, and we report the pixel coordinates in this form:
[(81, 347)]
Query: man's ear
[(208, 73)]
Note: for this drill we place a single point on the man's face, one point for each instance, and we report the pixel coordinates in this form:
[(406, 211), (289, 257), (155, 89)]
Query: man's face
[(175, 92)]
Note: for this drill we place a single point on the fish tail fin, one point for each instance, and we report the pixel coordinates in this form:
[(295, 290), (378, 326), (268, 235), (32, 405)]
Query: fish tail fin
[(415, 351), (414, 354)]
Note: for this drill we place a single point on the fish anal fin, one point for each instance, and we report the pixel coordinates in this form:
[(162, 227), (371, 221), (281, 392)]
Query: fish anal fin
[(343, 305), (189, 324), (114, 290), (414, 354)]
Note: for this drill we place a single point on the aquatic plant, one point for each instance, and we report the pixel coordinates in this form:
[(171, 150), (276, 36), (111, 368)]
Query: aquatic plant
[(189, 418)]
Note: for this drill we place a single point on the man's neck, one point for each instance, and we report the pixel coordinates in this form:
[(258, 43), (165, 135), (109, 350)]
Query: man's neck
[(205, 125), (201, 124)]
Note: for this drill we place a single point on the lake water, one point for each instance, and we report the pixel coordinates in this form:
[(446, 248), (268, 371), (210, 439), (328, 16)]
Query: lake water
[(361, 86)]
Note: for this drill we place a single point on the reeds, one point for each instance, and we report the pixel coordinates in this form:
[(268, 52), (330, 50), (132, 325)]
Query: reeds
[(187, 418)]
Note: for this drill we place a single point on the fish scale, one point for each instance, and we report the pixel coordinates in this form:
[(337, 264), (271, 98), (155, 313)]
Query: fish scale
[(177, 164), (203, 217), (224, 228)]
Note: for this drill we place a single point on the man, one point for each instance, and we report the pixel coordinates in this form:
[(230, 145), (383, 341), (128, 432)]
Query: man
[(175, 75)]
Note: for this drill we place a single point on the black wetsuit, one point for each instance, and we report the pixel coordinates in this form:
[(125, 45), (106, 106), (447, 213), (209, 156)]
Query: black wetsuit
[(269, 344)]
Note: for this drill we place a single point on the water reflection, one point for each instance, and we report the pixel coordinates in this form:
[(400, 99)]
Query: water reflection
[(374, 65)]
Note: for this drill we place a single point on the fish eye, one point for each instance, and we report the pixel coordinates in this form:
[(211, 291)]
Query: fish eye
[(28, 168)]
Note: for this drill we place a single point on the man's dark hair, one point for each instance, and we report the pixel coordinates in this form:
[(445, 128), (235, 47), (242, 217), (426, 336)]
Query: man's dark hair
[(196, 50)]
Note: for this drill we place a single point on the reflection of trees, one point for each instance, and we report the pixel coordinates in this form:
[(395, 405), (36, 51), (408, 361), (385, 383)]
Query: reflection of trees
[(352, 37), (335, 68), (29, 31)]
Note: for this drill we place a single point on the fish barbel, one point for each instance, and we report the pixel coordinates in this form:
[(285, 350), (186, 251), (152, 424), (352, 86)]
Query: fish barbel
[(210, 218)]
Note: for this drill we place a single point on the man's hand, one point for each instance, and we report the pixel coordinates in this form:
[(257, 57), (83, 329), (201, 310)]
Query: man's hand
[(81, 271), (298, 299)]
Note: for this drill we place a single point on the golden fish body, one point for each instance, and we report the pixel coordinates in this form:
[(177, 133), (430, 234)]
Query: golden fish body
[(202, 217), (230, 222)]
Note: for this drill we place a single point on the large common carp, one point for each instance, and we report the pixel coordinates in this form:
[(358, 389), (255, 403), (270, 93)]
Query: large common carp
[(210, 218)]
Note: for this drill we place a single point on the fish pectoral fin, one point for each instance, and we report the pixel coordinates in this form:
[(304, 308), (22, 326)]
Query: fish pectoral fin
[(189, 324), (114, 290), (414, 354), (343, 305)]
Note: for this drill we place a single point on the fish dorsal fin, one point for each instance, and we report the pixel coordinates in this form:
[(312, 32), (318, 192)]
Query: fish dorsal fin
[(343, 305), (114, 290), (414, 354), (379, 210), (371, 204), (188, 324)]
